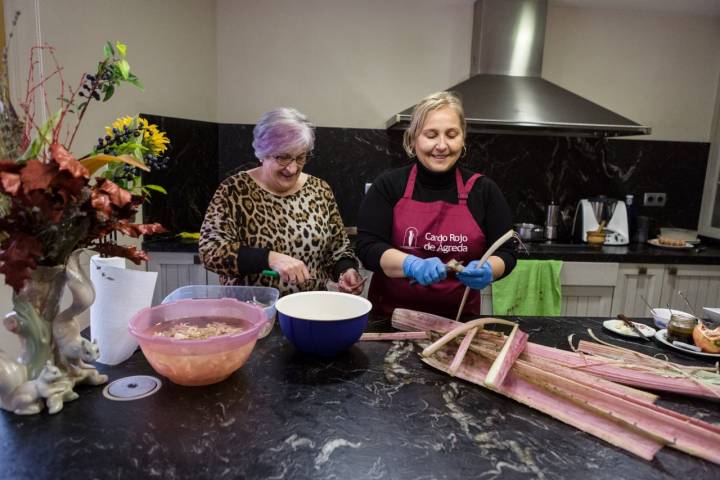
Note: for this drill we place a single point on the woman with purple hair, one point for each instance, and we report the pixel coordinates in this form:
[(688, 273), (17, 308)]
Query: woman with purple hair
[(276, 217)]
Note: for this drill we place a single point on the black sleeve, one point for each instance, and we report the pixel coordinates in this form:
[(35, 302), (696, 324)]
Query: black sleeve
[(252, 260), (342, 265), (492, 212), (375, 219)]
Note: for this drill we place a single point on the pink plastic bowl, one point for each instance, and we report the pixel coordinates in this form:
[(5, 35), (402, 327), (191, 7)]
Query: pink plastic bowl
[(198, 362)]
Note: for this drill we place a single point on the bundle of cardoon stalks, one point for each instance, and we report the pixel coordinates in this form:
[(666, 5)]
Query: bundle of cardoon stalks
[(587, 388)]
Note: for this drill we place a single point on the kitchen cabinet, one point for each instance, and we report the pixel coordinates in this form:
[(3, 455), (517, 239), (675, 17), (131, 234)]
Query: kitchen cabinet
[(175, 270), (709, 224), (699, 283), (659, 284), (634, 280), (587, 288)]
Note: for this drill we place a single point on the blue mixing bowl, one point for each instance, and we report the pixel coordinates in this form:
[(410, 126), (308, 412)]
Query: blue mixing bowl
[(323, 323)]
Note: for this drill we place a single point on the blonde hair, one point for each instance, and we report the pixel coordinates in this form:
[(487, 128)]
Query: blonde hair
[(432, 102)]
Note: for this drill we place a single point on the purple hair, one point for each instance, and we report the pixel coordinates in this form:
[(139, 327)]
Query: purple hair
[(283, 130)]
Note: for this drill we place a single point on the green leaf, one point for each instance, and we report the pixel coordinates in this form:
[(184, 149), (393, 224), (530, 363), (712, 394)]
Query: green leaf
[(108, 50), (157, 188), (44, 137), (121, 48), (109, 90), (134, 81), (124, 68)]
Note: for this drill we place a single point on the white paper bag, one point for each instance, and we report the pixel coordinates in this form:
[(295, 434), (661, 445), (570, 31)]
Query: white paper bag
[(119, 294)]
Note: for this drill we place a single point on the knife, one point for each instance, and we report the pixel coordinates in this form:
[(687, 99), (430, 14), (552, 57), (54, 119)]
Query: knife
[(632, 325)]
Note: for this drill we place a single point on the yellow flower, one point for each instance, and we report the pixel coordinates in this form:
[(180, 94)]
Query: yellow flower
[(153, 138), (121, 123)]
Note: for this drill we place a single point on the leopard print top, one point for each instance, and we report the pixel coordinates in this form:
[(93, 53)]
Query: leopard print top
[(305, 225)]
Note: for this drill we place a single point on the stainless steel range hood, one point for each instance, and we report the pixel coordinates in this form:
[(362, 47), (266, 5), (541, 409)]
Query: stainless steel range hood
[(505, 93)]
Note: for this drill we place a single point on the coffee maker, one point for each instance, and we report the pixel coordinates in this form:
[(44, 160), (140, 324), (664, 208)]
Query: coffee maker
[(591, 212)]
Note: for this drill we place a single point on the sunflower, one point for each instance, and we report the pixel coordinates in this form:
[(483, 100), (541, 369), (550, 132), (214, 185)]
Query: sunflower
[(153, 139), (120, 124)]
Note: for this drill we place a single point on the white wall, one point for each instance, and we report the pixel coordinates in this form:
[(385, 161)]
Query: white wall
[(658, 69), (353, 63), (345, 63)]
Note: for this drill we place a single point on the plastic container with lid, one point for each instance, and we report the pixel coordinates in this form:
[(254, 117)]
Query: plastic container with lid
[(265, 297)]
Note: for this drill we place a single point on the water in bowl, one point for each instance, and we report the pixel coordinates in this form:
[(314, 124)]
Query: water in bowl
[(200, 328)]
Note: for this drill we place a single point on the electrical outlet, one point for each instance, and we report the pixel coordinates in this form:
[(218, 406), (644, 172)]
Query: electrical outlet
[(656, 199)]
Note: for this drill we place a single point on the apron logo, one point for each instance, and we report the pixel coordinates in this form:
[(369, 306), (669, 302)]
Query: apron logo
[(410, 238)]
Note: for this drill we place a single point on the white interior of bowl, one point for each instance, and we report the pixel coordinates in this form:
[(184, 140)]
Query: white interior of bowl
[(323, 306), (663, 314), (712, 313)]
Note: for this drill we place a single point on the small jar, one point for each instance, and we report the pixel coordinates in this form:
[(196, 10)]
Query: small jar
[(680, 328)]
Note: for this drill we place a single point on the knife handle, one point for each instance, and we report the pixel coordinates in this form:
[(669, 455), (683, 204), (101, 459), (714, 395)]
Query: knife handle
[(270, 273)]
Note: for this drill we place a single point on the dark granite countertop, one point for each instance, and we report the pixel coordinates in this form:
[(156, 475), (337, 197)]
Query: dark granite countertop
[(374, 412), (634, 253), (703, 254)]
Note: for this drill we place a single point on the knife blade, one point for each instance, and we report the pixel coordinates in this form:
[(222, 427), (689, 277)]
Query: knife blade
[(632, 326)]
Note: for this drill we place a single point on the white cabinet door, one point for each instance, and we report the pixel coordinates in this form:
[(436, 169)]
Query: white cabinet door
[(175, 270), (634, 280), (699, 283), (587, 288)]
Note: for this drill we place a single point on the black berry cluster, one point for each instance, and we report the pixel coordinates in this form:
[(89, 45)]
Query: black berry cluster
[(107, 143)]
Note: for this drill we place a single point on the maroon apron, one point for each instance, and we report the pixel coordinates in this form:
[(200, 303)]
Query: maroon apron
[(435, 229)]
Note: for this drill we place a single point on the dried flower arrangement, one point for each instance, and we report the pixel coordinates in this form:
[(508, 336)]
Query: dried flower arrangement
[(51, 203)]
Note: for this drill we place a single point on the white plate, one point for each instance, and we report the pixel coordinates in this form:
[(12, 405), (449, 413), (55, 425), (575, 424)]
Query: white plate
[(656, 243), (661, 337), (619, 327), (712, 313)]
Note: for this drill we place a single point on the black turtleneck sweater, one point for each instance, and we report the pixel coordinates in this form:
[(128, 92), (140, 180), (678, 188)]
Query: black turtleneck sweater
[(486, 203)]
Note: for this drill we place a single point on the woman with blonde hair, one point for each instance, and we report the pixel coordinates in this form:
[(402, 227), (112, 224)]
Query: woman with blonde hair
[(416, 218), (276, 217)]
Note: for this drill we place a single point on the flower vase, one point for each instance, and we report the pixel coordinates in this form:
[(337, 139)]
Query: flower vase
[(121, 293), (53, 354)]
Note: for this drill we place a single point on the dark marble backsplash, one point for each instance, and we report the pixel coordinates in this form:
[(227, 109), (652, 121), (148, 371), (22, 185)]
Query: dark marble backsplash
[(530, 170)]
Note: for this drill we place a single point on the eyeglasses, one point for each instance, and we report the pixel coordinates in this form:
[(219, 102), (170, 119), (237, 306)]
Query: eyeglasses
[(286, 159)]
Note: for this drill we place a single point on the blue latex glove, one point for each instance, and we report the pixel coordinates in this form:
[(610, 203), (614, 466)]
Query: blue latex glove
[(424, 271), (477, 277)]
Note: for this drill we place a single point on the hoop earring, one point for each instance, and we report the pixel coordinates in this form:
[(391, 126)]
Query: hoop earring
[(464, 151)]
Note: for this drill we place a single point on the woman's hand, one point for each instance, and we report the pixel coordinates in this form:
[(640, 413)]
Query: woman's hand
[(350, 281), (476, 276), (291, 269), (425, 271)]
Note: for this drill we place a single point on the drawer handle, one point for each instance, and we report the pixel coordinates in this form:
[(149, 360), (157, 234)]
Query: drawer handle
[(196, 259), (672, 271), (642, 271)]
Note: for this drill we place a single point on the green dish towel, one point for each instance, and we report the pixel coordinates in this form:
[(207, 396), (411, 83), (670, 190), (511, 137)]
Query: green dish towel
[(532, 288)]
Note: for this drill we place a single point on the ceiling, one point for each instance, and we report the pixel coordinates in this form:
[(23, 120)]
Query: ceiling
[(689, 7)]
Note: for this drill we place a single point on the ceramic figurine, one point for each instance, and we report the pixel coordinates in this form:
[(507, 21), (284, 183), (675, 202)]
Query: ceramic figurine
[(26, 383), (74, 351), (27, 398)]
